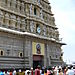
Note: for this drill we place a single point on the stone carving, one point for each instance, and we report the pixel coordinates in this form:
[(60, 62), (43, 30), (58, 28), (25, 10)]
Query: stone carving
[(18, 6), (2, 3), (48, 31), (44, 30), (7, 19), (7, 16), (51, 32), (13, 4), (30, 9), (22, 7), (52, 20), (18, 21), (23, 23), (1, 13), (13, 20), (8, 4), (56, 35), (32, 26)]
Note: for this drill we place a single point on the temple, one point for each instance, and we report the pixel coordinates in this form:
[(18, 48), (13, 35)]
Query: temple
[(28, 35)]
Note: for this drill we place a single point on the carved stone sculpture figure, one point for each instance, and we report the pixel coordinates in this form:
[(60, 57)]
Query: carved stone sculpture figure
[(32, 26), (30, 9)]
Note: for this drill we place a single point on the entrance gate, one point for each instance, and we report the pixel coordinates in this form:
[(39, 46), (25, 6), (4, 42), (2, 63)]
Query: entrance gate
[(37, 60)]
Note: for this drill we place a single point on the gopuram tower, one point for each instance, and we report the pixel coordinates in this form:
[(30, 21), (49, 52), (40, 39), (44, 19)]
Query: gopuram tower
[(28, 34)]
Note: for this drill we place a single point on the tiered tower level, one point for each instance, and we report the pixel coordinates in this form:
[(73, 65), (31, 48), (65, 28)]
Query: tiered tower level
[(23, 23), (27, 15)]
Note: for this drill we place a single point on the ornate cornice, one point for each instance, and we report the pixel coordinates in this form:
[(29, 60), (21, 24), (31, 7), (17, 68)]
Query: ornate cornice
[(30, 34), (34, 18), (10, 11)]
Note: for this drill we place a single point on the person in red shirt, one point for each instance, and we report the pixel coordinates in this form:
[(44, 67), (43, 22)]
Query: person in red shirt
[(37, 71), (10, 73)]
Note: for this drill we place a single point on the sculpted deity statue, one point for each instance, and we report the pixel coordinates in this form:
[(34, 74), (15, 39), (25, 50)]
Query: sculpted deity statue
[(44, 30), (41, 15), (22, 7), (30, 9), (32, 26), (23, 21), (7, 16), (12, 19), (7, 19), (18, 19)]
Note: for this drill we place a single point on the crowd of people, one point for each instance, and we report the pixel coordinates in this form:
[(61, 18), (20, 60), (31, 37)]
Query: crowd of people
[(57, 70)]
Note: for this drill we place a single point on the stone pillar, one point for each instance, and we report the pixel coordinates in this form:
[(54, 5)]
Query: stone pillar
[(48, 55), (45, 56), (52, 33), (30, 54), (18, 22), (1, 17), (28, 51), (2, 3), (48, 31), (26, 10), (18, 6), (13, 20), (27, 26), (8, 4), (56, 35), (13, 5), (22, 8), (7, 19), (23, 24)]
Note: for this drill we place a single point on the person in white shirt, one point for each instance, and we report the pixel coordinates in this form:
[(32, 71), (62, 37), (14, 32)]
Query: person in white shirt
[(14, 72), (70, 71), (27, 72)]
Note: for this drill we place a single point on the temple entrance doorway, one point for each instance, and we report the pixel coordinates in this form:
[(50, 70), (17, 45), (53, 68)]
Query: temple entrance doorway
[(38, 60)]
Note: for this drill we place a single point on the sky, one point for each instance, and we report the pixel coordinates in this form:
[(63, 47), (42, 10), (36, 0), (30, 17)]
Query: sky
[(64, 13)]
